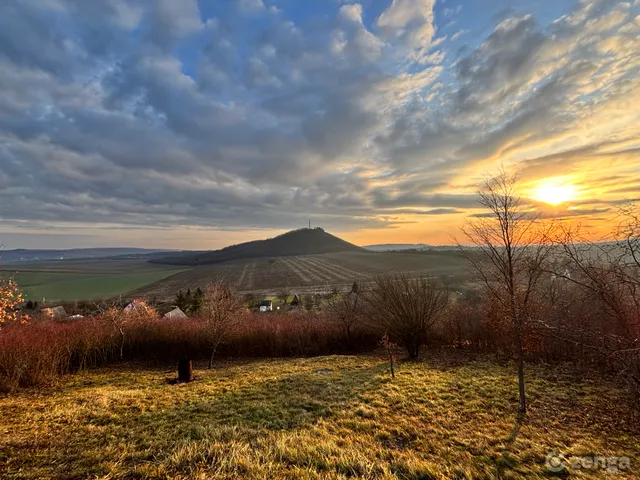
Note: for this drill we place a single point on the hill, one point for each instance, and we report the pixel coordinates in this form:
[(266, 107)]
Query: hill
[(395, 247), (27, 255), (296, 242)]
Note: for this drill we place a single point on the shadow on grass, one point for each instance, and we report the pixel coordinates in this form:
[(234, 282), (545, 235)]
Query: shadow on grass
[(506, 461), (282, 403), (274, 402)]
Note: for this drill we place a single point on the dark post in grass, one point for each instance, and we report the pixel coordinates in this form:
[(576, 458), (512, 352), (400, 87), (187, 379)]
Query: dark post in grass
[(185, 370)]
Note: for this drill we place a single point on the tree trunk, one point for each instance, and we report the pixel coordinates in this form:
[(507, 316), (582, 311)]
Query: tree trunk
[(213, 352), (516, 317), (393, 372), (185, 370), (520, 360), (121, 345), (413, 348)]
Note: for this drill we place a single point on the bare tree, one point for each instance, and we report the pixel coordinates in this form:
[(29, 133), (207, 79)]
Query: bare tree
[(114, 316), (406, 309), (221, 310), (508, 257), (607, 273), (135, 313), (628, 235), (389, 348), (347, 310), (283, 296)]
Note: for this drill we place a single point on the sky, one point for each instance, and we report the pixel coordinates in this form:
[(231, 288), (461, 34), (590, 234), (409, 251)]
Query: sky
[(196, 124)]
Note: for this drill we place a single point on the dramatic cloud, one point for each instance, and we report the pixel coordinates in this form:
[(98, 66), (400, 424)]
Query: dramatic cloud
[(251, 114)]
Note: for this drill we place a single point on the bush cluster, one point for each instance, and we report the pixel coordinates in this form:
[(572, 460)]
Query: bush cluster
[(39, 352)]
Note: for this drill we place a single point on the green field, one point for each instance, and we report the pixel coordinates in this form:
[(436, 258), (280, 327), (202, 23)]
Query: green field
[(90, 280), (318, 418)]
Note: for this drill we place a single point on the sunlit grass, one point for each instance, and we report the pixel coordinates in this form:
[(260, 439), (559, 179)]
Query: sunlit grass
[(328, 417)]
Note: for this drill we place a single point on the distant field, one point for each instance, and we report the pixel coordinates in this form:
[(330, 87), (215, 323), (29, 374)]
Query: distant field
[(91, 265), (71, 280), (68, 280), (309, 273)]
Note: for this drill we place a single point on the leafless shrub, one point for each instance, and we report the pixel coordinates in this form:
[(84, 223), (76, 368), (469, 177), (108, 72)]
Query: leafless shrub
[(347, 310), (135, 314), (406, 308), (606, 277), (466, 325), (222, 313), (390, 349)]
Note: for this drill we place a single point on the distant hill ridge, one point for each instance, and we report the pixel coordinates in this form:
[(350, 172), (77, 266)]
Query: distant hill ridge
[(29, 255), (305, 241), (390, 247)]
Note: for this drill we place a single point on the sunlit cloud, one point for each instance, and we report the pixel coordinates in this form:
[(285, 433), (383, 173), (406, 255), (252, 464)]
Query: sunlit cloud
[(376, 120)]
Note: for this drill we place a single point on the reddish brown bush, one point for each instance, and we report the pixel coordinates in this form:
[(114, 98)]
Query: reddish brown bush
[(37, 353)]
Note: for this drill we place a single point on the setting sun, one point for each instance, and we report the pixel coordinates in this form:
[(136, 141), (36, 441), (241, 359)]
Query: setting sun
[(554, 192)]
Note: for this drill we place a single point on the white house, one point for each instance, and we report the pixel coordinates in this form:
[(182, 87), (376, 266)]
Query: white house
[(175, 313), (266, 306)]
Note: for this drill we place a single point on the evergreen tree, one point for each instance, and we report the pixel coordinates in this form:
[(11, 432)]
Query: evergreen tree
[(180, 301), (196, 302)]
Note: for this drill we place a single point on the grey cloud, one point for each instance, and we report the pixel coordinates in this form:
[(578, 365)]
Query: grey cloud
[(502, 64), (169, 20), (300, 121), (433, 211), (28, 39), (383, 199)]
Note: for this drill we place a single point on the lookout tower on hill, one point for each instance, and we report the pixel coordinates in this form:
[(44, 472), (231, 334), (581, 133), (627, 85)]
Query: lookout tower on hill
[(319, 229)]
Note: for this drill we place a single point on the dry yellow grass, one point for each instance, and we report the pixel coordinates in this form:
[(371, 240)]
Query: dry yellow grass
[(283, 419)]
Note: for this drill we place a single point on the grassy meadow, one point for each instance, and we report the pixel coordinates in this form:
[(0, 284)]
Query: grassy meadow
[(71, 280), (325, 417), (57, 287)]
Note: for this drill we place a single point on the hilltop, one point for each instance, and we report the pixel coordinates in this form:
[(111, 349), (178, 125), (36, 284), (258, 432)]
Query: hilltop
[(305, 241)]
